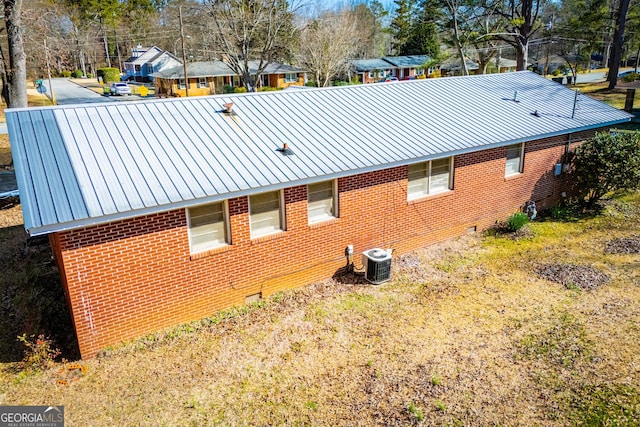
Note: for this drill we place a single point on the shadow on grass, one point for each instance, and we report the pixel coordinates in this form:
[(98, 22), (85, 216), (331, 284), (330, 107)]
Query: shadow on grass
[(32, 300)]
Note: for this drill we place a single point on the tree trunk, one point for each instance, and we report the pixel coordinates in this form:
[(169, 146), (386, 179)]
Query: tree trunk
[(15, 71), (618, 40)]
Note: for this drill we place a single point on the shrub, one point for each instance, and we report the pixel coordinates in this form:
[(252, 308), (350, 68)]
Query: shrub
[(607, 162), (516, 221), (267, 89), (39, 353), (239, 90), (555, 72), (109, 75), (311, 84), (65, 73), (631, 77), (77, 74), (89, 75), (227, 89)]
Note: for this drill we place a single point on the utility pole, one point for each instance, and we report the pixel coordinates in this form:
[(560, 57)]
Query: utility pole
[(184, 56), (46, 55)]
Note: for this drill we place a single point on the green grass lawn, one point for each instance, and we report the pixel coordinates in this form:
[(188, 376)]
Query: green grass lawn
[(467, 333)]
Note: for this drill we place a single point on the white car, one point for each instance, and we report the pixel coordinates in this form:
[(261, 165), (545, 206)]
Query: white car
[(119, 88)]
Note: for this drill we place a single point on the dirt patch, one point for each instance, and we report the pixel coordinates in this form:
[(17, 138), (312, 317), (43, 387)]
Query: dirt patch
[(623, 245), (10, 212), (570, 275)]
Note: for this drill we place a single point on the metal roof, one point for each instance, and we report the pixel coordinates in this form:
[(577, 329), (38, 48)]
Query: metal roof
[(88, 164)]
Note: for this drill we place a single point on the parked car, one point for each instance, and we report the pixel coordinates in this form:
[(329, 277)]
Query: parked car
[(409, 78), (119, 88), (388, 79)]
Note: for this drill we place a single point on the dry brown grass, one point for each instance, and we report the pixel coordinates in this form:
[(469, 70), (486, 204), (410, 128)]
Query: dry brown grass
[(465, 334)]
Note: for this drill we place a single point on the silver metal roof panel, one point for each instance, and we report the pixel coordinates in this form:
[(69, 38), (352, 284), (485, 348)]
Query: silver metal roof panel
[(87, 164)]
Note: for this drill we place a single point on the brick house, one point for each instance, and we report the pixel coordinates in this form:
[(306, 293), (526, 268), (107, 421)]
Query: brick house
[(211, 77), (165, 211), (401, 67)]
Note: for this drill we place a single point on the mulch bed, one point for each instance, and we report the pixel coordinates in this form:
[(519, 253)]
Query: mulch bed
[(623, 245), (570, 275)]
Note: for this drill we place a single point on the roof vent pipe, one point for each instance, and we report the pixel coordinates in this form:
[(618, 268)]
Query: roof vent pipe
[(228, 107), (515, 97)]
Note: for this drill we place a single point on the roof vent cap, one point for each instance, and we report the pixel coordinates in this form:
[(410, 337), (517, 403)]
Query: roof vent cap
[(285, 150)]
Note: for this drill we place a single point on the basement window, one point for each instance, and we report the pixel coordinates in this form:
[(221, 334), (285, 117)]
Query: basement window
[(208, 227), (265, 212), (322, 201), (515, 159), (430, 177)]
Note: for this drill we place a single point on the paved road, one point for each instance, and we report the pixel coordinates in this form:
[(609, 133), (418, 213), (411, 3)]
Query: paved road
[(68, 92), (591, 77)]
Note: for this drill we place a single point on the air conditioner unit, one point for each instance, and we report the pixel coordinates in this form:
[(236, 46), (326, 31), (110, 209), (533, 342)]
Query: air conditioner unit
[(377, 265)]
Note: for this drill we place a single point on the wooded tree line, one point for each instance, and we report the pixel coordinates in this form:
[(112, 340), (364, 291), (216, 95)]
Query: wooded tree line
[(84, 35)]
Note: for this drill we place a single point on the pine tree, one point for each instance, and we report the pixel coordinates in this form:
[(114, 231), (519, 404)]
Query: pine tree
[(401, 25), (423, 39)]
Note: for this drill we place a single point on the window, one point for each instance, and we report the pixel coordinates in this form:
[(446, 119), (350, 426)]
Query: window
[(136, 67), (202, 82), (181, 84), (419, 72), (322, 201), (207, 227), (514, 159), (429, 178), (371, 75), (290, 78), (265, 213)]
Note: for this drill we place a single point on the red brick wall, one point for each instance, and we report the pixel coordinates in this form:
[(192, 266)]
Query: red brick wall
[(128, 278)]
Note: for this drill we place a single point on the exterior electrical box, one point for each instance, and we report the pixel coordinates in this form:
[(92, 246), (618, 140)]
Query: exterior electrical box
[(377, 265)]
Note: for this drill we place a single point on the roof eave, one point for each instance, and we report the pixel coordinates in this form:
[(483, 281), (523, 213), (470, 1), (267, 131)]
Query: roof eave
[(87, 222)]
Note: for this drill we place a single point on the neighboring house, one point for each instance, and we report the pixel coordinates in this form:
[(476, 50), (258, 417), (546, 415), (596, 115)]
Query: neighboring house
[(193, 205), (146, 61), (410, 65), (505, 65), (374, 70), (453, 67), (206, 78)]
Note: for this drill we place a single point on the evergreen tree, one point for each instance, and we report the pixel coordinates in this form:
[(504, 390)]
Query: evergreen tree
[(423, 39), (401, 25)]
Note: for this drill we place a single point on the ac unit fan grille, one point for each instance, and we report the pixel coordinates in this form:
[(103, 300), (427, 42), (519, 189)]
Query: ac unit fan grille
[(378, 271)]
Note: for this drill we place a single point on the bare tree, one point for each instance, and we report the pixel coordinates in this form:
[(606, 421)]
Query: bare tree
[(522, 23), (14, 69), (326, 43), (251, 34)]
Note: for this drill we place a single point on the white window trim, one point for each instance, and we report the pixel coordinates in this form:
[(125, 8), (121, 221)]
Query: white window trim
[(336, 211), (283, 218), (289, 79), (371, 74), (429, 193), (521, 161), (182, 84), (227, 229), (202, 82)]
